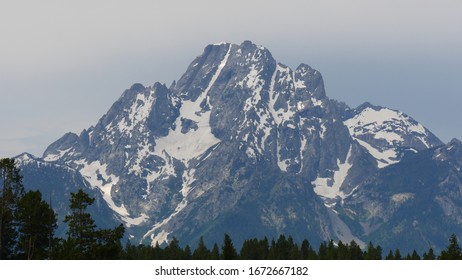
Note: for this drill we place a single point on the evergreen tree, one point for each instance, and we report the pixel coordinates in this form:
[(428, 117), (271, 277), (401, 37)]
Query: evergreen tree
[(201, 252), (373, 253), (355, 251), (228, 250), (81, 234), (250, 250), (84, 241), (331, 253), (453, 251), (415, 256), (187, 255), (37, 223), (397, 255), (430, 255), (322, 252), (11, 191), (342, 251), (108, 246), (263, 250), (215, 253), (295, 253), (390, 256), (173, 250), (307, 252), (280, 250)]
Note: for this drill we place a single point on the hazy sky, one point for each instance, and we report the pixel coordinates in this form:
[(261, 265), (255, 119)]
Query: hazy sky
[(63, 63)]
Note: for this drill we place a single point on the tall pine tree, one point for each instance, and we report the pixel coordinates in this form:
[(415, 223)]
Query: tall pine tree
[(453, 251), (11, 191), (81, 234), (84, 241), (201, 252), (229, 252), (36, 224)]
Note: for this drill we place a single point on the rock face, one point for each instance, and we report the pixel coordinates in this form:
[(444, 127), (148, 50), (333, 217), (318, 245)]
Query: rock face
[(415, 203), (240, 144)]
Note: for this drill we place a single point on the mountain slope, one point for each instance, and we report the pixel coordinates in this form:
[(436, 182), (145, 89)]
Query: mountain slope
[(412, 204)]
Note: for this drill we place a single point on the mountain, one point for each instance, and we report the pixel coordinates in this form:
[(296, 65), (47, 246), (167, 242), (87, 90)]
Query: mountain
[(239, 144)]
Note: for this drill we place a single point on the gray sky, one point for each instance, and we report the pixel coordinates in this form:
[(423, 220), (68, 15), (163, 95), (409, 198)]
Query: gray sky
[(63, 63)]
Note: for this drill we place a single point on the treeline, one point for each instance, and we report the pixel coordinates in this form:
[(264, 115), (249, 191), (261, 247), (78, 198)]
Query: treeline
[(28, 223), (283, 248)]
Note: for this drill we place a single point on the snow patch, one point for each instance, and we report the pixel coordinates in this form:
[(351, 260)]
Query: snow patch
[(55, 157), (330, 187), (385, 124), (161, 237), (402, 197), (384, 158), (96, 175), (280, 115), (388, 125), (188, 179), (138, 113), (192, 144)]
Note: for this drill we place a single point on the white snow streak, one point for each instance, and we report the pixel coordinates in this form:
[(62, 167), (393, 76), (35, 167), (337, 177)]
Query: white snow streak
[(55, 157), (330, 187), (138, 113), (96, 175), (388, 125), (186, 146)]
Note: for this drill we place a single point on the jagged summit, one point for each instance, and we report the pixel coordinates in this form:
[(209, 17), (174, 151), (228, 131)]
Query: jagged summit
[(239, 144)]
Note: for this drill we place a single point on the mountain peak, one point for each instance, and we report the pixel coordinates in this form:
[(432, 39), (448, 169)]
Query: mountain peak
[(383, 131), (452, 151), (455, 143), (137, 87), (368, 105), (24, 158)]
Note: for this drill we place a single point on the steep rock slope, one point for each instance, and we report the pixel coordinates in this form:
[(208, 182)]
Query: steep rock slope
[(413, 204)]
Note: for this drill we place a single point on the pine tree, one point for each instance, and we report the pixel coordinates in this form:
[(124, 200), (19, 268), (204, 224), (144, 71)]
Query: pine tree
[(415, 256), (201, 252), (81, 234), (263, 249), (215, 253), (307, 251), (322, 251), (108, 246), (453, 251), (84, 241), (430, 255), (11, 191), (36, 223), (373, 253), (390, 256), (173, 250), (187, 255), (250, 250), (228, 250), (398, 255), (342, 251), (331, 253), (355, 251)]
